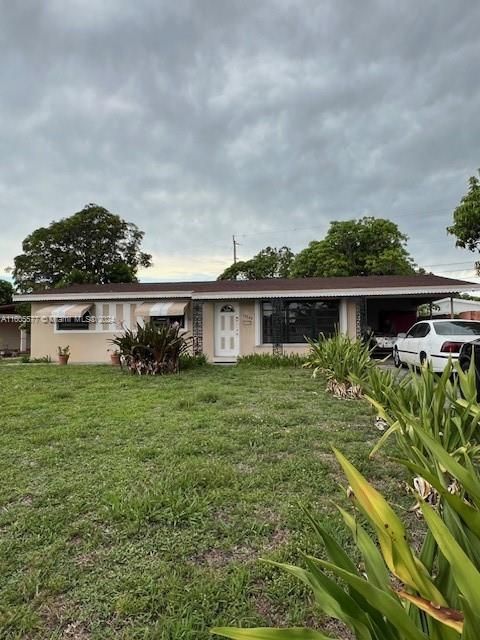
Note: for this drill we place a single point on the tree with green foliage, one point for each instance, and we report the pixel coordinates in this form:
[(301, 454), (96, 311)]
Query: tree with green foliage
[(368, 246), (91, 246), (466, 219), (6, 292), (267, 263)]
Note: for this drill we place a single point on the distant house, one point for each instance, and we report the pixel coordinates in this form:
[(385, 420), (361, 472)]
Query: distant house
[(228, 318), (9, 329), (461, 307)]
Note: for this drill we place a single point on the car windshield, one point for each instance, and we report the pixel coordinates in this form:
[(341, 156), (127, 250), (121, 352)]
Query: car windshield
[(457, 328)]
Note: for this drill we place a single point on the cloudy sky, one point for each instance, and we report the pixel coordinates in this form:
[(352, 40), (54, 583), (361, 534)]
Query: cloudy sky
[(268, 118)]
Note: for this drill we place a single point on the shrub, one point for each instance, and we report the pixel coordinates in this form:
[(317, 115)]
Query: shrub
[(150, 350), (344, 362), (434, 420), (271, 360), (188, 361), (42, 360), (445, 407), (395, 594)]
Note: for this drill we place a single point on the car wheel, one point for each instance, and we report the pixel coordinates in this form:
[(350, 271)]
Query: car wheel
[(465, 357), (468, 351), (423, 358), (396, 358)]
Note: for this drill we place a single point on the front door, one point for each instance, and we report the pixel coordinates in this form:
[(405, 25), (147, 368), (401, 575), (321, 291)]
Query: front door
[(226, 330)]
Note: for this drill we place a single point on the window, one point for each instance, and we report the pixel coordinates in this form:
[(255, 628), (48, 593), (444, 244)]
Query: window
[(74, 324), (457, 328), (423, 330), (298, 320), (419, 330), (161, 321)]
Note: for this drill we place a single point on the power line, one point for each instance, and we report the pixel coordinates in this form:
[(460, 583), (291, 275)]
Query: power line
[(447, 264), (425, 214)]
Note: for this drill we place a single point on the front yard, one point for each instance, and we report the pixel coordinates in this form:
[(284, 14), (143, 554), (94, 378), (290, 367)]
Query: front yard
[(138, 507)]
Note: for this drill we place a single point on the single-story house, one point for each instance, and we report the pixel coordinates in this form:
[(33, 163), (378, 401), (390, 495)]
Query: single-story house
[(12, 341), (229, 318)]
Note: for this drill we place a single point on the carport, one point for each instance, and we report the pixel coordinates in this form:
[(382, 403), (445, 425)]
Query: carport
[(392, 315), (387, 316)]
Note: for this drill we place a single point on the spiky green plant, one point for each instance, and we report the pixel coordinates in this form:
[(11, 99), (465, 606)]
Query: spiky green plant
[(444, 407), (396, 594), (343, 361), (434, 420), (148, 350)]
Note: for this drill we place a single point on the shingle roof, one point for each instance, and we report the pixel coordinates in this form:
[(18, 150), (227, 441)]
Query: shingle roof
[(337, 283), (243, 287)]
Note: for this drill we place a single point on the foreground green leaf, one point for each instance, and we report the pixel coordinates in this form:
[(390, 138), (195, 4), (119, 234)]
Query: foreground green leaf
[(382, 600), (464, 572)]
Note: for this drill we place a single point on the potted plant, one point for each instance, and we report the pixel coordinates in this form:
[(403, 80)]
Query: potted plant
[(63, 355), (115, 357)]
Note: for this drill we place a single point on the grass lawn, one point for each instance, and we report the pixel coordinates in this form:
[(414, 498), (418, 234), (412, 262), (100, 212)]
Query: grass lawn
[(138, 507)]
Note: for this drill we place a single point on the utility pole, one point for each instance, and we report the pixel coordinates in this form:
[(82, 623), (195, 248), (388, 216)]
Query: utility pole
[(235, 245)]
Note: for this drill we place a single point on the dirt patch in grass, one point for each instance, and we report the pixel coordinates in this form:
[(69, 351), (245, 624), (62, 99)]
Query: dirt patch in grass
[(86, 559), (336, 629), (54, 613), (75, 631), (278, 539), (245, 468), (267, 515), (222, 557), (274, 615), (242, 553)]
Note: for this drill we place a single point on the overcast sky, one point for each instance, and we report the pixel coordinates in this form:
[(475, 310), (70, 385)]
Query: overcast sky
[(264, 118)]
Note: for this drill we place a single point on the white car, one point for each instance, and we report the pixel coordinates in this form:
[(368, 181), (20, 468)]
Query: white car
[(435, 341)]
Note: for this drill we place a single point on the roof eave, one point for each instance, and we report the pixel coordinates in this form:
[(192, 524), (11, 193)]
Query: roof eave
[(334, 293), (354, 292), (133, 295)]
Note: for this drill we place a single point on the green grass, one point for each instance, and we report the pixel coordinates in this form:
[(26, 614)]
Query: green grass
[(272, 360), (138, 507)]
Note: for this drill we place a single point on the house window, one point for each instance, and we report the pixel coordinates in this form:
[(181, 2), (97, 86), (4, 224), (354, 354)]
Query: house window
[(301, 319), (161, 321), (74, 324)]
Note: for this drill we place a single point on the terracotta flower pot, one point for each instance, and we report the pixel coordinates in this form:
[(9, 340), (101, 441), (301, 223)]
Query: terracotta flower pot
[(115, 359), (63, 360)]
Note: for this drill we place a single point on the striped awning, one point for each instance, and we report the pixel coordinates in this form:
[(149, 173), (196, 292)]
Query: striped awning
[(166, 308), (65, 310)]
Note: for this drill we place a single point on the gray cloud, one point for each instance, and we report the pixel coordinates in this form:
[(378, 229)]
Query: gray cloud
[(205, 118)]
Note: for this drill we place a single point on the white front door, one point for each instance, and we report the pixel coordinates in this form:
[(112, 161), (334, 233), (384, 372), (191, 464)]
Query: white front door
[(226, 330)]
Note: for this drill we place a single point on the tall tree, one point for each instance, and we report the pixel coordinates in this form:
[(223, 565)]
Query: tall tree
[(369, 246), (267, 263), (6, 292), (91, 246), (466, 219)]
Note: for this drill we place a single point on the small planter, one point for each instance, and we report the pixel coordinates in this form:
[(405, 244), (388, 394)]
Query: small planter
[(115, 359), (63, 355)]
